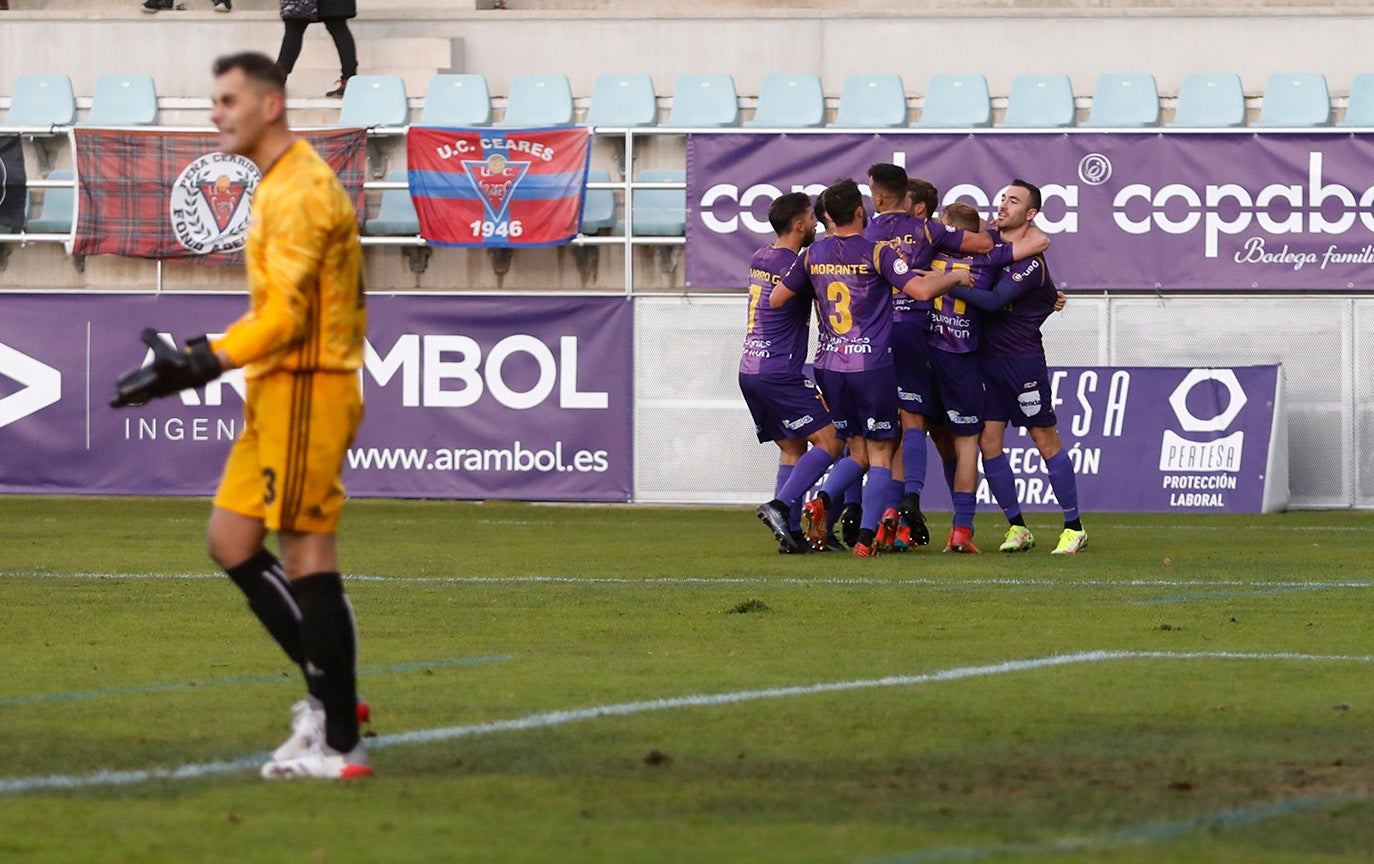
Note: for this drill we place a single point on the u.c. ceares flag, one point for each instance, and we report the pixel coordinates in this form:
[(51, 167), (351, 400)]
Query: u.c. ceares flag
[(498, 187)]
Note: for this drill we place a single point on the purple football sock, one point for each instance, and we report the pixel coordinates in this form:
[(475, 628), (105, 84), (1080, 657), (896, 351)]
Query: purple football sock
[(964, 507), (1002, 484), (1064, 484), (950, 465), (843, 474), (914, 460), (876, 492), (807, 471)]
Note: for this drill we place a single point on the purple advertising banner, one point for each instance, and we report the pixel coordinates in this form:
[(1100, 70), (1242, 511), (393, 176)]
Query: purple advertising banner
[(467, 397), (1153, 440), (1125, 210)]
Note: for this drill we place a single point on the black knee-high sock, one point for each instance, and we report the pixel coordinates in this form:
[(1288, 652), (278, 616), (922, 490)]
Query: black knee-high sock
[(269, 596), (330, 644)]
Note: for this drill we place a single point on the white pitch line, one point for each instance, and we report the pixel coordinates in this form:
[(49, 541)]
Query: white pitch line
[(17, 785), (922, 582)]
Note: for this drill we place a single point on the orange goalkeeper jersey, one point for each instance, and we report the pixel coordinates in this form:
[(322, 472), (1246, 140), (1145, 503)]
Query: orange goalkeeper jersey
[(306, 306)]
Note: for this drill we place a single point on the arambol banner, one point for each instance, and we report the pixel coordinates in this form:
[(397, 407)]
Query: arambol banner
[(173, 195), (492, 187), (1155, 440), (469, 397), (1136, 211)]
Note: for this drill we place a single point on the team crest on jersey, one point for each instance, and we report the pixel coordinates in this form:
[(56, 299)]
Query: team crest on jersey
[(210, 202), (495, 179)]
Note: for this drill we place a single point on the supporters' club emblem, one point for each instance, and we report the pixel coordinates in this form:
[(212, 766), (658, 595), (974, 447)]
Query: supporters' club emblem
[(210, 202), (495, 179)]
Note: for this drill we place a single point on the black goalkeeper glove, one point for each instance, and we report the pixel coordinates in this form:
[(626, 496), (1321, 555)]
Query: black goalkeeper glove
[(170, 372)]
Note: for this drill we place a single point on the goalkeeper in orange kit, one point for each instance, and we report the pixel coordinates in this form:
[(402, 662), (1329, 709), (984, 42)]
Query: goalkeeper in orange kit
[(301, 346)]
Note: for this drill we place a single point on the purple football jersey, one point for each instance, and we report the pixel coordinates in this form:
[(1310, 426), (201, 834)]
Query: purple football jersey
[(776, 339), (1029, 295), (919, 241), (851, 278), (955, 324)]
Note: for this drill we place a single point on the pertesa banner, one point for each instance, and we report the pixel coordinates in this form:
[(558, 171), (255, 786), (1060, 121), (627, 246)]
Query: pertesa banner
[(466, 397), (1146, 439), (1140, 211)]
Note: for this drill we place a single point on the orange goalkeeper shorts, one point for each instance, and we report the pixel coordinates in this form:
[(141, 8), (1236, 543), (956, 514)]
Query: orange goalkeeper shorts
[(286, 468)]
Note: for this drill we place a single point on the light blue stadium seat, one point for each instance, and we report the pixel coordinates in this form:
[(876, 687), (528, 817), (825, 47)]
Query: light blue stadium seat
[(1039, 102), (661, 212), (1360, 109), (374, 100), (59, 204), (956, 102), (1210, 101), (598, 209), (871, 102), (623, 100), (123, 100), (1124, 101), (396, 214), (456, 100), (539, 100), (704, 102), (790, 102), (42, 100), (1295, 100)]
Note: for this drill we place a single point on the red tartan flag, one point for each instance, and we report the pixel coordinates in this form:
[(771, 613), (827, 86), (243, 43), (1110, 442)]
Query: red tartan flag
[(498, 187), (172, 195)]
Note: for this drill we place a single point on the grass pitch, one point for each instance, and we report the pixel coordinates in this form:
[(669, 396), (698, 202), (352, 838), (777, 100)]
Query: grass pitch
[(627, 684)]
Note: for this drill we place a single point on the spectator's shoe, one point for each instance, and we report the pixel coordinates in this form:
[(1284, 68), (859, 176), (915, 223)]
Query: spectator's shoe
[(224, 5), (961, 540), (886, 534), (814, 525), (903, 541), (321, 762), (338, 91), (1018, 539), (307, 729), (910, 508), (156, 5), (851, 515), (1071, 542), (774, 515), (800, 547), (866, 550)]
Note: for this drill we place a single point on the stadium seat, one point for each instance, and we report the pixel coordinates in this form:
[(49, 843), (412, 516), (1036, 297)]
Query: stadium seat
[(704, 102), (598, 208), (42, 100), (1295, 100), (790, 102), (1360, 109), (123, 100), (623, 100), (59, 204), (956, 102), (1207, 101), (1124, 101), (396, 214), (539, 100), (1039, 102), (871, 102), (374, 100), (661, 212), (456, 100)]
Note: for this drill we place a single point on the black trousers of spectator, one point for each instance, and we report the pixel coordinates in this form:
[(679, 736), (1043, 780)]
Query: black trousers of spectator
[(343, 41)]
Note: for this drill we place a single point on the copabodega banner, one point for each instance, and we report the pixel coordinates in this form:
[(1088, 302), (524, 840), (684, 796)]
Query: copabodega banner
[(1146, 439), (467, 397), (1148, 210)]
